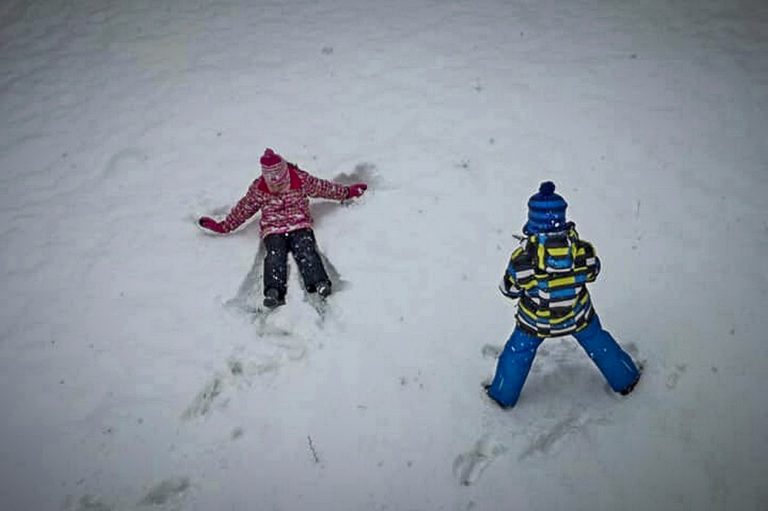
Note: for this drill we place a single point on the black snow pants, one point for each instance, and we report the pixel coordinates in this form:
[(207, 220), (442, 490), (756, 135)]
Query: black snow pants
[(302, 243)]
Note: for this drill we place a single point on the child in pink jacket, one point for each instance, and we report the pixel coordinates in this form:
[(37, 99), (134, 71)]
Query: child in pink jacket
[(282, 194)]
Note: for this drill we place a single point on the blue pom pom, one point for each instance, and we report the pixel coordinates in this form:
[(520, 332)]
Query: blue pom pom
[(547, 188)]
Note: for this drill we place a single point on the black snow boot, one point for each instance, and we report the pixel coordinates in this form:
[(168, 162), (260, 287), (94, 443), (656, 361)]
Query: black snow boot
[(324, 289), (272, 298)]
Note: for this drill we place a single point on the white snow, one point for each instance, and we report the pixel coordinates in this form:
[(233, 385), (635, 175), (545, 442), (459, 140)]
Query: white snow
[(133, 377)]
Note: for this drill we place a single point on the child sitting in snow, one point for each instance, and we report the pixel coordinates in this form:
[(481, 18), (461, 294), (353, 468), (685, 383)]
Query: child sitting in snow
[(548, 274), (282, 194)]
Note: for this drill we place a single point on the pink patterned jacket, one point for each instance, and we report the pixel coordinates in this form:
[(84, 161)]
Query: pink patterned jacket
[(285, 211)]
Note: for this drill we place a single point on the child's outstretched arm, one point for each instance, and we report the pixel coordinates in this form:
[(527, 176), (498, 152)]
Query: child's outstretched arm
[(243, 210), (321, 188)]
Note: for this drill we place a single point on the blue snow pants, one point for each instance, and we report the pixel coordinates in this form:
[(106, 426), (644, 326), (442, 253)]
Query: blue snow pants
[(516, 359)]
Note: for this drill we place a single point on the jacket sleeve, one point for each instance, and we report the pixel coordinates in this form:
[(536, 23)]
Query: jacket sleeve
[(587, 260), (510, 285), (320, 188), (243, 210)]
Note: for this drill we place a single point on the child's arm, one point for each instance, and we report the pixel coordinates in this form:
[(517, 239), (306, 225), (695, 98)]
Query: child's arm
[(508, 287), (519, 265), (587, 260), (243, 210), (320, 188), (323, 189)]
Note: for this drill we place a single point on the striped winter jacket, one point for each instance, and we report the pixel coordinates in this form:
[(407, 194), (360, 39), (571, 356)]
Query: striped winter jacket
[(285, 211), (548, 273)]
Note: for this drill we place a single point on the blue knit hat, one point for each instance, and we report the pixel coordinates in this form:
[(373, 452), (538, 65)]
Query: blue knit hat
[(546, 211)]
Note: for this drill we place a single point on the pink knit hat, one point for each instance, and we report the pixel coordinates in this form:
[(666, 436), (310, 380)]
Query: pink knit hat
[(272, 163)]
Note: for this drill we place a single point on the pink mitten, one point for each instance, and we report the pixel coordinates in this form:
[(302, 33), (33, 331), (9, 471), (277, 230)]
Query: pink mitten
[(356, 190), (211, 225)]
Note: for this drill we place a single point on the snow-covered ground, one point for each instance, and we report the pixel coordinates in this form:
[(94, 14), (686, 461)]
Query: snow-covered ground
[(134, 375)]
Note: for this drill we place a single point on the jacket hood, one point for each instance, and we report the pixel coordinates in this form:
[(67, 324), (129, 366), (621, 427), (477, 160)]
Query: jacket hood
[(555, 251)]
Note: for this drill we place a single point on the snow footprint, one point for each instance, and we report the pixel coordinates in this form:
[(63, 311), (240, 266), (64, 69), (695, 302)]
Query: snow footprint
[(169, 491), (85, 503), (204, 400), (545, 440), (674, 377), (469, 466)]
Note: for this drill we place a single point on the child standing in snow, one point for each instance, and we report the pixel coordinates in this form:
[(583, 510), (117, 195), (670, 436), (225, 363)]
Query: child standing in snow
[(548, 274), (282, 194)]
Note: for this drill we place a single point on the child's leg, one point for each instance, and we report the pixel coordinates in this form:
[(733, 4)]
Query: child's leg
[(307, 259), (513, 366), (276, 264), (615, 364)]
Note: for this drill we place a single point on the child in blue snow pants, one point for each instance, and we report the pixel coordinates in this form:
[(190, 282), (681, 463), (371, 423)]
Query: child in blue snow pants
[(516, 359), (548, 275)]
